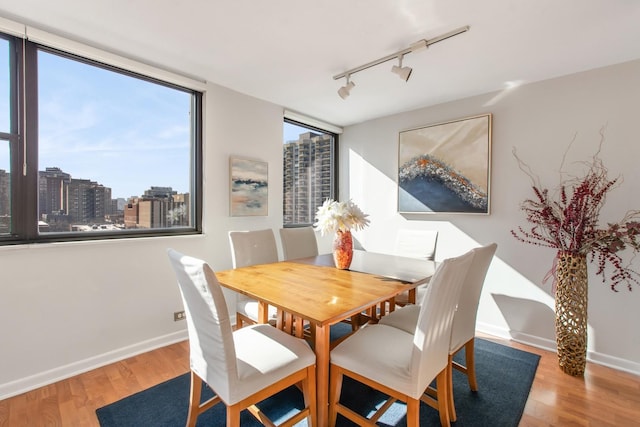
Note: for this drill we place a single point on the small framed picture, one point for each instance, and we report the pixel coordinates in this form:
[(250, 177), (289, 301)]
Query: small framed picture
[(249, 192)]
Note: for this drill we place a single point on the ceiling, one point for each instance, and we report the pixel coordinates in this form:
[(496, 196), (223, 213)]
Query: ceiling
[(287, 51)]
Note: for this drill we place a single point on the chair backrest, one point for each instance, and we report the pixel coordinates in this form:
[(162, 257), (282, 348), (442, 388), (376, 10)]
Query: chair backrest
[(433, 330), (416, 243), (211, 348), (253, 247), (464, 321), (299, 242)]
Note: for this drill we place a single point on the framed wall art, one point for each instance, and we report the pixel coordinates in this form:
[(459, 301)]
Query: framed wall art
[(445, 167), (249, 187)]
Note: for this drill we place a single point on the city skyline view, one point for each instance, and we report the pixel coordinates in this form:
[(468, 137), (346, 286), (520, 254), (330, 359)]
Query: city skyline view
[(95, 124), (292, 132)]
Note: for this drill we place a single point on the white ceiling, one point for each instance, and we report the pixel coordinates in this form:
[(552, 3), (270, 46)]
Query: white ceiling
[(287, 51)]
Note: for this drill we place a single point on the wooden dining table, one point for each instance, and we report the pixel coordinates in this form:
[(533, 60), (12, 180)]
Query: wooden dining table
[(314, 290)]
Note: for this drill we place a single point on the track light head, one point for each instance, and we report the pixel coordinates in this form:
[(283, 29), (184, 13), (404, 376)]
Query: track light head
[(403, 72), (346, 89)]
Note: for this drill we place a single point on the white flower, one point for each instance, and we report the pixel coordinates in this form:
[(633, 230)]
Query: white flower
[(333, 216)]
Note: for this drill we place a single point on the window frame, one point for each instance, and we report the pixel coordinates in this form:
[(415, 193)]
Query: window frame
[(335, 174), (24, 116)]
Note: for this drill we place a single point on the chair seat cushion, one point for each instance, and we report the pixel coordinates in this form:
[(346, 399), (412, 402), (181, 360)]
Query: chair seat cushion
[(381, 353), (404, 318), (249, 307), (266, 355)]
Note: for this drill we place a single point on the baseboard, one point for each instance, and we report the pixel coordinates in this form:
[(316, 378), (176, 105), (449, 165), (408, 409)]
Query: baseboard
[(487, 328), (614, 362), (23, 385), (550, 345), (535, 341)]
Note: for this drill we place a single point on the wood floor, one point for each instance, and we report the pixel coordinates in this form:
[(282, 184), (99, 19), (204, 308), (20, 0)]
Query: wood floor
[(604, 397)]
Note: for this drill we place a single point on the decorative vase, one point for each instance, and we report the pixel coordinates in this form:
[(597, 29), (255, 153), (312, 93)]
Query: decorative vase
[(343, 249), (571, 312)]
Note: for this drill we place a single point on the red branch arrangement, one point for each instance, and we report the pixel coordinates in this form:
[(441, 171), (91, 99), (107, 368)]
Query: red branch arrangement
[(567, 220)]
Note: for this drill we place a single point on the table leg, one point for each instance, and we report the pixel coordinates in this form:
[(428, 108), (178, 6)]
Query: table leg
[(322, 349), (263, 312), (412, 295)]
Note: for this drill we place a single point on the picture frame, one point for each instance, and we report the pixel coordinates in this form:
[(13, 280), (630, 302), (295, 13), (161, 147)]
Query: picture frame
[(249, 187), (446, 167)]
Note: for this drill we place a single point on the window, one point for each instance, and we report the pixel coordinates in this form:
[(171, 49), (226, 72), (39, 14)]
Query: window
[(108, 153), (309, 171)]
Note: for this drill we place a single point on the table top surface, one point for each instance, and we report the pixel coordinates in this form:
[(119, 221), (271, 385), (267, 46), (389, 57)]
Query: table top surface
[(314, 289)]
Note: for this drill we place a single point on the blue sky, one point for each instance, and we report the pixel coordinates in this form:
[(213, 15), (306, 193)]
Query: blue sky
[(125, 133)]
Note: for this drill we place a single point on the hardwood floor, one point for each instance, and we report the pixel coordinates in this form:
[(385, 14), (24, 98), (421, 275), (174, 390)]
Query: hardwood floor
[(604, 397)]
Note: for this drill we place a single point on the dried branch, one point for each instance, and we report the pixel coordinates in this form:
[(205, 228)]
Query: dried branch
[(567, 219)]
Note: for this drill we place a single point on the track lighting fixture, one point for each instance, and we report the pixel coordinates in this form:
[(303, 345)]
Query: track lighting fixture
[(403, 72), (346, 89)]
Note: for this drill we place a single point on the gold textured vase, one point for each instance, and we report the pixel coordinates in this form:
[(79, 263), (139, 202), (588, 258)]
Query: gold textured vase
[(571, 312), (343, 249)]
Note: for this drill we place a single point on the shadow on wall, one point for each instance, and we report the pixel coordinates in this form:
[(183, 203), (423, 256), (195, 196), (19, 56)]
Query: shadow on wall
[(522, 314)]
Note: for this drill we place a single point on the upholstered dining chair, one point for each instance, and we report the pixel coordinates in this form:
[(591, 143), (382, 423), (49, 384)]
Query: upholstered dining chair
[(251, 248), (463, 331), (412, 244), (416, 243), (299, 242), (242, 367), (410, 361)]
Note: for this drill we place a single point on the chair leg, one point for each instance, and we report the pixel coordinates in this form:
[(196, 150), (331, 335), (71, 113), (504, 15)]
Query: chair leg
[(471, 364), (450, 403), (443, 391), (194, 400), (233, 416), (413, 412), (335, 388), (310, 396)]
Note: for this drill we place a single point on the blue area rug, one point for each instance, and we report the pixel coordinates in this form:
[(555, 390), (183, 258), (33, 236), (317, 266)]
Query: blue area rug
[(504, 375)]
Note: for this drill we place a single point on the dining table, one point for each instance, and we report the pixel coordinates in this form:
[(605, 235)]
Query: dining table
[(314, 290)]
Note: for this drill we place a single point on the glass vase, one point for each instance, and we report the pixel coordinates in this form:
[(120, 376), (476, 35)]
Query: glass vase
[(343, 249)]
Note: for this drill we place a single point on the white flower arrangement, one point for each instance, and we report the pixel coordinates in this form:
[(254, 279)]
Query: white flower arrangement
[(335, 216)]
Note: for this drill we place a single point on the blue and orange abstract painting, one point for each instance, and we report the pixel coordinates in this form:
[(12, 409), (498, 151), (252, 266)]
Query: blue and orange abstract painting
[(445, 168)]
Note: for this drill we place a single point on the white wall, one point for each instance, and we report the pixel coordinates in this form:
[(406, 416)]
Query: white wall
[(69, 307), (539, 120)]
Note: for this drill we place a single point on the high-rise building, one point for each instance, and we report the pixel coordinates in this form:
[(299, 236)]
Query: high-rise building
[(52, 183), (159, 207), (307, 176), (87, 201), (64, 201)]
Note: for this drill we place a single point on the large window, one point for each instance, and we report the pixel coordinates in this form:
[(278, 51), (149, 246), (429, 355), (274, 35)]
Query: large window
[(309, 172), (104, 152)]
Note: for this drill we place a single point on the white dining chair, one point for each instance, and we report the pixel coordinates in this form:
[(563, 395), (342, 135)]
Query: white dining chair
[(416, 243), (411, 244), (409, 361), (251, 248), (464, 321), (298, 242), (242, 367)]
